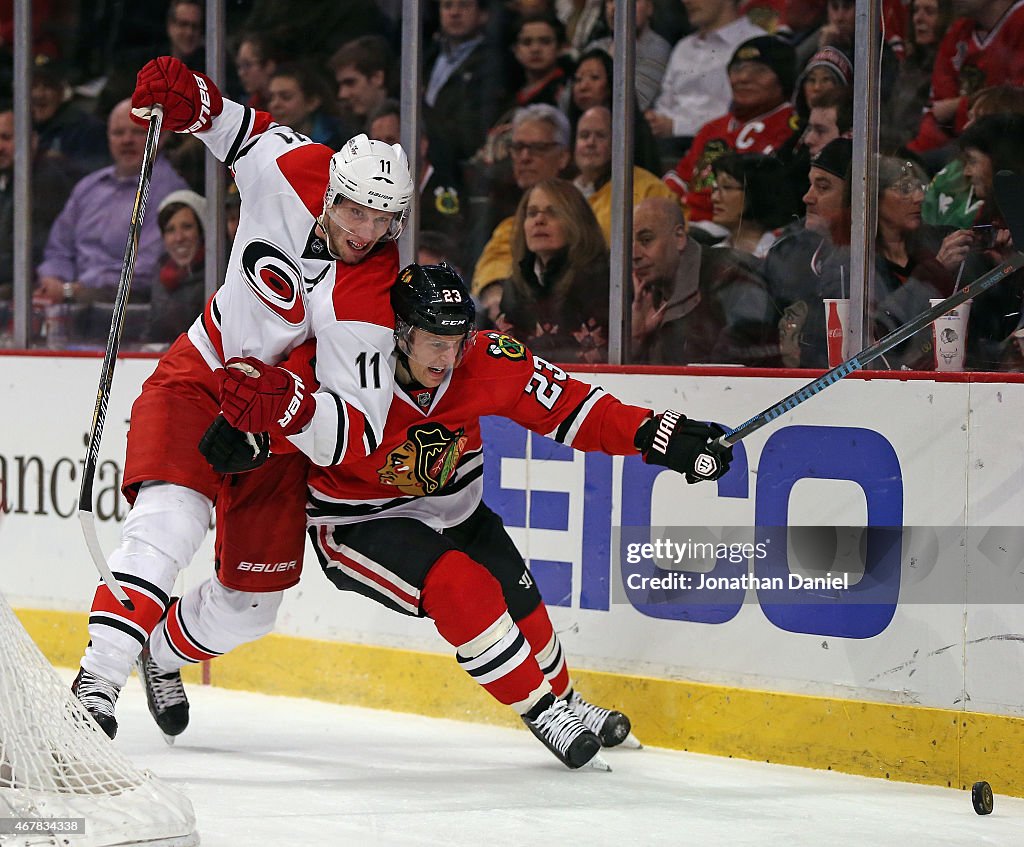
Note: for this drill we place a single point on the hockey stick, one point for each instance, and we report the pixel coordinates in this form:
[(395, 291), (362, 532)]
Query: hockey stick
[(99, 415), (1009, 190)]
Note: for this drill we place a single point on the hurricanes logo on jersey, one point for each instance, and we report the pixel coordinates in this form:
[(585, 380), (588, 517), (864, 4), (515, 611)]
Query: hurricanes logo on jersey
[(505, 347), (274, 277), (426, 461)]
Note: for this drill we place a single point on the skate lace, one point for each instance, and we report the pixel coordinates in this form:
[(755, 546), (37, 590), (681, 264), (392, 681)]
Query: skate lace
[(593, 717), (96, 694), (560, 725), (166, 688)]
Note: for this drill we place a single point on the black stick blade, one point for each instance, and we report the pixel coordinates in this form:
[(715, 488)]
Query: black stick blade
[(1009, 188)]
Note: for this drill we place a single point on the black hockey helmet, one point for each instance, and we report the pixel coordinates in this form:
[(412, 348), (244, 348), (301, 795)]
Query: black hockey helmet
[(433, 298)]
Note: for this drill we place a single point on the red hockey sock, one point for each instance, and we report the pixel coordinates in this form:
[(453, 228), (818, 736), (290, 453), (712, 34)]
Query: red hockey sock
[(546, 648), (467, 605)]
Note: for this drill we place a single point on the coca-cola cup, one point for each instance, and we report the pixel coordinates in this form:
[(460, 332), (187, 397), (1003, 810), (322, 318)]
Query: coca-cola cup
[(837, 330), (949, 337)]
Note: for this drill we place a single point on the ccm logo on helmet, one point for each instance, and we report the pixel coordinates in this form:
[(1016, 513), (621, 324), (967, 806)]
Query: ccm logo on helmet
[(268, 567), (204, 105)]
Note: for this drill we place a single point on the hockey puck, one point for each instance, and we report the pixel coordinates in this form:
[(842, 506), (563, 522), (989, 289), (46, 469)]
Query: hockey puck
[(981, 796)]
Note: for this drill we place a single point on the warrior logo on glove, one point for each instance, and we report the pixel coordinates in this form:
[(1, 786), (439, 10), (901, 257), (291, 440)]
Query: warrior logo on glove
[(687, 447)]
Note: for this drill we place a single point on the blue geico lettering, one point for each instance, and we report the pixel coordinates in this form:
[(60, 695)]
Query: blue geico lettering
[(859, 456)]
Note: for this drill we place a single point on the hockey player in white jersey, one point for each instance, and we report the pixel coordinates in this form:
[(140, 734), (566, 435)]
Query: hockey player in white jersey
[(314, 255)]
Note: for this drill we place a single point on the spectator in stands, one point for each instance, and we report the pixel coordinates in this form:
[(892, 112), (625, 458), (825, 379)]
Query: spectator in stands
[(582, 19), (256, 60), (85, 250), (301, 99), (465, 84), (537, 46), (440, 206), (991, 144), (802, 21), (914, 262), (652, 51), (761, 74), (828, 69), (747, 201), (61, 127), (540, 151), (184, 27), (51, 180), (981, 48), (362, 70), (693, 305), (556, 299), (950, 199), (592, 86), (312, 30), (180, 290), (593, 160), (796, 264), (830, 118), (695, 88), (840, 22), (901, 112), (436, 247)]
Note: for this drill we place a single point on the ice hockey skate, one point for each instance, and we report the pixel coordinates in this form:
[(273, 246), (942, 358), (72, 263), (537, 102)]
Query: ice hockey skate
[(564, 734), (612, 727), (98, 696), (165, 694)]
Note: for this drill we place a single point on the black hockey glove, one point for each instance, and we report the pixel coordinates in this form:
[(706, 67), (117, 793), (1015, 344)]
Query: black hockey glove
[(687, 447), (229, 450)]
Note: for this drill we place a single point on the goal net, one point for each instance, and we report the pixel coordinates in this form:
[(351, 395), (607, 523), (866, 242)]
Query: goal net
[(60, 774)]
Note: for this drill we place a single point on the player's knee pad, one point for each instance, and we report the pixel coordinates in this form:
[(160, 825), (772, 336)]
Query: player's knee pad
[(461, 597), (167, 522)]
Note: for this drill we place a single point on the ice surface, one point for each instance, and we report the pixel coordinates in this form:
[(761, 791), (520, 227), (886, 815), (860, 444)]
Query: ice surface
[(278, 771)]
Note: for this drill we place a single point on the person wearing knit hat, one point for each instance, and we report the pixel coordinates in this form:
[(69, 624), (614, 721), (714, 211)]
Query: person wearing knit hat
[(772, 52), (180, 292), (759, 120), (829, 68)]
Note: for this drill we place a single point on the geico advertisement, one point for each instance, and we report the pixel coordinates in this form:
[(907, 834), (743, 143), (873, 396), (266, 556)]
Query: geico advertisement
[(861, 545)]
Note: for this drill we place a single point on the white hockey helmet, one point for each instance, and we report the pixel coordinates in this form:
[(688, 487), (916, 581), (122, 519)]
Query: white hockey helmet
[(373, 174)]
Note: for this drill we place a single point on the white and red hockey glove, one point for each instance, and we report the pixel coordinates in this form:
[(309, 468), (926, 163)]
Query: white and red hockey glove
[(685, 446), (190, 99), (256, 397)]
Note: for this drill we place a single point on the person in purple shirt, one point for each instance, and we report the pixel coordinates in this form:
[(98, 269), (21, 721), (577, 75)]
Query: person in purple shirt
[(85, 251)]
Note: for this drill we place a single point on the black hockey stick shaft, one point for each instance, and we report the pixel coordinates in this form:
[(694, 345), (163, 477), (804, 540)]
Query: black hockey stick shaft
[(1010, 196), (99, 415)]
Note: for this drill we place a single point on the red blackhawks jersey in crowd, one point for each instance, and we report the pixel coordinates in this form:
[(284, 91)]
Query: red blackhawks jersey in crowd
[(282, 287), (693, 177), (429, 466), (968, 61)]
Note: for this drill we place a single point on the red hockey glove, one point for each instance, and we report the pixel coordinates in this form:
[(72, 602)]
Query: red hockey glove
[(257, 398), (189, 98), (687, 447)]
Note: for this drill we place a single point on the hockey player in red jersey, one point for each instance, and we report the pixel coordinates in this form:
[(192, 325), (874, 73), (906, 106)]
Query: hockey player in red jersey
[(313, 256), (407, 527)]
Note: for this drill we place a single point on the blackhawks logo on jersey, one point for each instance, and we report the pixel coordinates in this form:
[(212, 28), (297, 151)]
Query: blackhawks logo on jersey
[(426, 461), (505, 347)]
